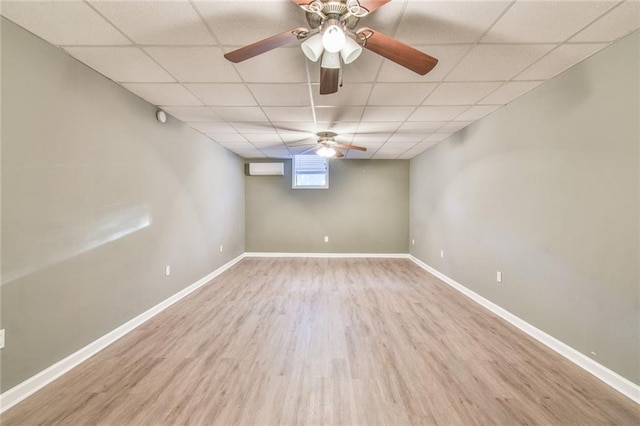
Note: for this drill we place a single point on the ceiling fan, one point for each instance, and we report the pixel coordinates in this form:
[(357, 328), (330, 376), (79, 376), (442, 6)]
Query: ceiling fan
[(327, 146), (333, 37)]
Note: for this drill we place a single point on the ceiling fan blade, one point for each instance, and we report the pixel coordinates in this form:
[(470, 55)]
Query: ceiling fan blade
[(329, 79), (354, 147), (267, 44), (372, 5), (395, 51), (339, 153)]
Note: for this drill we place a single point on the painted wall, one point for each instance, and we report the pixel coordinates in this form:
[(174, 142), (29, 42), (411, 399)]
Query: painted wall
[(365, 210), (97, 197), (546, 190)]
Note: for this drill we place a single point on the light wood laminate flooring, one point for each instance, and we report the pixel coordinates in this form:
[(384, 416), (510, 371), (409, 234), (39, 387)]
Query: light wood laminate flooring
[(326, 341)]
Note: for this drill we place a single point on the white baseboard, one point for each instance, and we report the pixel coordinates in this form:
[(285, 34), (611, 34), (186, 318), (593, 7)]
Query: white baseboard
[(611, 378), (19, 392), (342, 255)]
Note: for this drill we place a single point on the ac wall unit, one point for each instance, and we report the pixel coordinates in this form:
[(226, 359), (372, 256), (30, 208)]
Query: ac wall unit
[(266, 169)]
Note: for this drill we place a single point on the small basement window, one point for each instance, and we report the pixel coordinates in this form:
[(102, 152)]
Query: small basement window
[(310, 171)]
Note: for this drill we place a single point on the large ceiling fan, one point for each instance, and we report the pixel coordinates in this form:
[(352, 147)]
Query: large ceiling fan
[(333, 38), (327, 146)]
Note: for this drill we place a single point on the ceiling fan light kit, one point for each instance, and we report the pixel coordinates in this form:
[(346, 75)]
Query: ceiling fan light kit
[(333, 25)]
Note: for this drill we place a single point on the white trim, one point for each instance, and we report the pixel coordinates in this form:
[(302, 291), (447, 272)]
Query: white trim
[(611, 378), (19, 392), (375, 255)]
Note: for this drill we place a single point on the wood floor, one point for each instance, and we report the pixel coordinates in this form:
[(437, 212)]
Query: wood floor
[(326, 341)]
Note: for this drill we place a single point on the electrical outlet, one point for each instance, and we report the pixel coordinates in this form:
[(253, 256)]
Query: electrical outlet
[(499, 276), (220, 248), (326, 238), (413, 242), (2, 338), (167, 271), (441, 253)]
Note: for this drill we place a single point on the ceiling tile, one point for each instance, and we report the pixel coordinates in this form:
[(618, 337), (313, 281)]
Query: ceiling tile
[(400, 93), (262, 138), (221, 94), (427, 22), (157, 22), (285, 128), (276, 153), (460, 93), (544, 21), (454, 126), (240, 113), (287, 114), (436, 113), (248, 128), (349, 94), (237, 23), (296, 137), (338, 114), (394, 113), (385, 156), (418, 149), (385, 18), (477, 112), (212, 127), (405, 138), (423, 127), (274, 94), (509, 91), (447, 55), (249, 153), (189, 113), (122, 64), (195, 64), (497, 62), (226, 138), (615, 24), (437, 137), (284, 65), (82, 25), (558, 61), (362, 70), (163, 94), (238, 145), (378, 127)]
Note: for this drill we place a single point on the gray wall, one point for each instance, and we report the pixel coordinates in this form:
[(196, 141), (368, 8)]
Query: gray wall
[(97, 197), (546, 190), (365, 210)]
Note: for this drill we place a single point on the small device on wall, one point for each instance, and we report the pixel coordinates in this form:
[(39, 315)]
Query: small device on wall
[(161, 116)]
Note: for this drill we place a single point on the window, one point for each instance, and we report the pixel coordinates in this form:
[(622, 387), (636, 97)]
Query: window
[(310, 171)]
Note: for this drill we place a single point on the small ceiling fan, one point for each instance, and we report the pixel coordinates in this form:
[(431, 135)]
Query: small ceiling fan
[(327, 146), (333, 38)]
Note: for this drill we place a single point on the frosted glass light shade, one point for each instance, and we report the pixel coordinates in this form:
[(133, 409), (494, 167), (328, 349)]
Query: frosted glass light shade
[(333, 38), (312, 47), (331, 60), (350, 51), (326, 152)]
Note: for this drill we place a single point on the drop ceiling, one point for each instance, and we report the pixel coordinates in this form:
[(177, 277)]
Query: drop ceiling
[(170, 53)]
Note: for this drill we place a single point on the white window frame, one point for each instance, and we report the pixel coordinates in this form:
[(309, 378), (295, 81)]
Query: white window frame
[(312, 158)]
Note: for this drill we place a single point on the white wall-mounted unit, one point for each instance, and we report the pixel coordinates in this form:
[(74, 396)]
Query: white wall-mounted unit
[(266, 169)]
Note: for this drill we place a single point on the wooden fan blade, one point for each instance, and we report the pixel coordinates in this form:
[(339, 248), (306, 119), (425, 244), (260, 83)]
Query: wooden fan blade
[(395, 51), (265, 45), (329, 79), (372, 5), (339, 153), (354, 147)]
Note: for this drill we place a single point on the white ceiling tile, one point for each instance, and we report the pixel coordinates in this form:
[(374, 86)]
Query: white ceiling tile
[(338, 114), (283, 65), (227, 138), (427, 22), (477, 112), (238, 23), (436, 113), (275, 94), (544, 21), (82, 25), (509, 91), (297, 137), (418, 149), (254, 114), (157, 22), (240, 146), (276, 153), (454, 126), (221, 94), (212, 127), (249, 153), (288, 114), (370, 141), (195, 64), (122, 64), (437, 137), (394, 113), (349, 94), (497, 62), (163, 94), (460, 93), (189, 113), (423, 127), (400, 93), (248, 128), (558, 61), (362, 70), (378, 127), (615, 24), (385, 155), (405, 138), (291, 127), (385, 18), (447, 55)]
